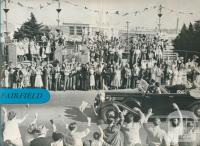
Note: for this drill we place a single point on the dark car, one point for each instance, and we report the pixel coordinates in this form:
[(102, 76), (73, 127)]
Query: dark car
[(160, 103)]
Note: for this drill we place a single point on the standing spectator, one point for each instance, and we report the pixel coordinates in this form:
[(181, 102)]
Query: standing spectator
[(116, 82), (17, 77), (57, 77), (135, 75), (45, 77), (174, 76), (92, 79), (112, 132), (133, 126), (66, 74), (159, 74), (41, 139), (155, 135), (6, 77), (98, 76), (74, 138), (38, 78), (11, 130), (32, 76), (98, 138), (175, 128), (137, 54)]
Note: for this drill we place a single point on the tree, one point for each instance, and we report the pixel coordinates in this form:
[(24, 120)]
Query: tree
[(30, 29), (187, 43)]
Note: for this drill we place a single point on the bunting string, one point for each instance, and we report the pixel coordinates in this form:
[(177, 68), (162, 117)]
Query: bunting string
[(107, 12)]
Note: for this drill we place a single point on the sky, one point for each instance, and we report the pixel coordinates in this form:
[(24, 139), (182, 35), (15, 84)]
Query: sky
[(78, 14)]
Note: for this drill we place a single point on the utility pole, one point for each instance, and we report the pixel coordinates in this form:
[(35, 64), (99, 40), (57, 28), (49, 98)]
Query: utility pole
[(58, 11), (127, 25), (159, 16)]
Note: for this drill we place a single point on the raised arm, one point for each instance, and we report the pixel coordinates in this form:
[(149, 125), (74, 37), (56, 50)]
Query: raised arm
[(5, 114), (121, 116), (22, 119), (149, 114), (148, 130), (179, 113), (102, 135), (142, 116)]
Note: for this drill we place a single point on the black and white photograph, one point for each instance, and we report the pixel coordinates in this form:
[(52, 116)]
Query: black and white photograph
[(118, 72)]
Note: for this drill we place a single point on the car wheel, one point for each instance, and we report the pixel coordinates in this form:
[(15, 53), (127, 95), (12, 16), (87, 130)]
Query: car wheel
[(196, 109), (105, 110)]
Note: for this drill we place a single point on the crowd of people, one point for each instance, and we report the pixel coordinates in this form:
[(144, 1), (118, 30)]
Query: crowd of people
[(106, 68), (38, 48), (122, 128)]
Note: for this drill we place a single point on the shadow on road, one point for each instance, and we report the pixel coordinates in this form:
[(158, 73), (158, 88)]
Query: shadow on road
[(75, 114)]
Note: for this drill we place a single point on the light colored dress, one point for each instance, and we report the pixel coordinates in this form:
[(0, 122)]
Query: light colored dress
[(179, 77), (6, 80), (32, 48), (38, 79), (12, 132), (117, 79), (92, 80), (48, 48), (175, 77)]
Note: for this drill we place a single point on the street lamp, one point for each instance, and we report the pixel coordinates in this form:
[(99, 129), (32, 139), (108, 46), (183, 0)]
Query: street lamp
[(6, 16), (159, 16)]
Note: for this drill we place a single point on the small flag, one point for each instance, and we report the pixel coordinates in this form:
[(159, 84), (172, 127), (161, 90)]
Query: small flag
[(117, 12), (125, 14), (20, 4), (83, 106)]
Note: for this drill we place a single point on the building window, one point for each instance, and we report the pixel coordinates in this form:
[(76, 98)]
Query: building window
[(79, 30), (71, 30)]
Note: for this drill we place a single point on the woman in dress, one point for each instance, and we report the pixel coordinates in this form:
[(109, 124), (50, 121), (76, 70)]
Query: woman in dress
[(175, 76), (92, 80), (153, 72), (38, 78), (48, 49), (24, 73), (180, 76), (117, 78), (6, 77), (33, 50), (28, 77)]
